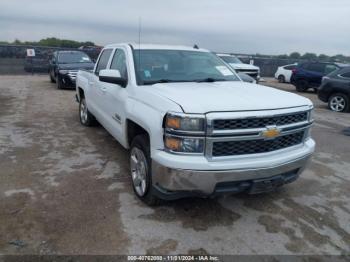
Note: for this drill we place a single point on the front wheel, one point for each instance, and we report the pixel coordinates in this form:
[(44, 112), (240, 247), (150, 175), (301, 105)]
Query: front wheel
[(141, 170), (86, 118), (339, 103)]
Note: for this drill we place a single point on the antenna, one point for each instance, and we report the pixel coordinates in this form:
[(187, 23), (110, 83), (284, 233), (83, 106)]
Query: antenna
[(140, 43)]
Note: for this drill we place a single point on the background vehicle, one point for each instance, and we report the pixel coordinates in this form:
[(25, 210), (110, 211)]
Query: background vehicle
[(284, 73), (246, 78), (64, 66), (335, 90), (309, 75), (192, 126), (251, 70)]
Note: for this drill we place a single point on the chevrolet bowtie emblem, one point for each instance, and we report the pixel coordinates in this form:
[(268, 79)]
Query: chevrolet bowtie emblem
[(271, 132)]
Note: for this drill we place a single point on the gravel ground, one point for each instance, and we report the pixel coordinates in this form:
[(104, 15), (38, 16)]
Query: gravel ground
[(64, 189)]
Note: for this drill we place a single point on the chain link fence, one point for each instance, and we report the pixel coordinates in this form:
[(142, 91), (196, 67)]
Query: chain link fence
[(14, 60)]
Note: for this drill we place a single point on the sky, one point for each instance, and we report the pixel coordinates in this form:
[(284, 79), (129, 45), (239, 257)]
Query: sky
[(249, 27)]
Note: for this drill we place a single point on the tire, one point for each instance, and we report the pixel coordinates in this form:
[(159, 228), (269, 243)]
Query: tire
[(141, 170), (86, 118), (339, 102), (59, 84), (52, 80), (281, 79), (302, 85)]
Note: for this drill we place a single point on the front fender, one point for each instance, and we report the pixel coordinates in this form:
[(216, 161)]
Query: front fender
[(150, 117)]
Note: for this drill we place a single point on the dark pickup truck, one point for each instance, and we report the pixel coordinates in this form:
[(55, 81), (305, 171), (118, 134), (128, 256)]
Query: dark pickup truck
[(64, 66)]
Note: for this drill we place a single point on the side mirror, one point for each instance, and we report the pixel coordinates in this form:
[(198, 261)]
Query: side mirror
[(112, 76), (246, 78)]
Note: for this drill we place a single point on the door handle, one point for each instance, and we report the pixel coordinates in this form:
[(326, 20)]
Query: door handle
[(103, 89)]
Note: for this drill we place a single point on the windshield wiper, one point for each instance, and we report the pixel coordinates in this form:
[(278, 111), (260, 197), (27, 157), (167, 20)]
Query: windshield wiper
[(210, 80), (162, 81)]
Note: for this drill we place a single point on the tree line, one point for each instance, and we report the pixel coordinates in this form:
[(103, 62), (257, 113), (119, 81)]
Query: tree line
[(313, 56), (52, 42)]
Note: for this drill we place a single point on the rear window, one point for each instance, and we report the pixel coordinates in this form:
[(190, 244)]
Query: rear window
[(291, 67)]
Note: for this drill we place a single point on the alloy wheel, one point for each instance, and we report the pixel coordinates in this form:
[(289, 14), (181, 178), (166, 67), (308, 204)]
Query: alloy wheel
[(139, 170), (83, 111), (337, 103)]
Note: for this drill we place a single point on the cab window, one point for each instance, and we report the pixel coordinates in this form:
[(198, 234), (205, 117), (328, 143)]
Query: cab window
[(119, 63), (103, 61)]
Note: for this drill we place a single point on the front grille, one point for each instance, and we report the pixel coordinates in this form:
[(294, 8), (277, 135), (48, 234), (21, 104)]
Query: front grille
[(231, 124), (72, 74), (244, 147), (247, 71)]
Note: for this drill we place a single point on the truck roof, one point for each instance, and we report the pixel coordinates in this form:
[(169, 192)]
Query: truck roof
[(219, 54), (159, 47)]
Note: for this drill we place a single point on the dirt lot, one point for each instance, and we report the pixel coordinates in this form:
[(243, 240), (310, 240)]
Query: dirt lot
[(64, 189)]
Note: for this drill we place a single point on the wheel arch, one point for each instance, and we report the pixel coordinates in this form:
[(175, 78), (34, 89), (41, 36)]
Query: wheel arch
[(134, 129)]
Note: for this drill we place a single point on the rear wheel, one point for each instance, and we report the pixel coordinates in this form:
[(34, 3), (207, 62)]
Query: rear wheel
[(51, 78), (281, 79), (302, 85), (59, 83), (141, 170), (339, 103), (86, 118)]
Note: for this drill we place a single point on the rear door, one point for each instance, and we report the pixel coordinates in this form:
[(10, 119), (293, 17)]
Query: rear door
[(96, 88), (315, 73)]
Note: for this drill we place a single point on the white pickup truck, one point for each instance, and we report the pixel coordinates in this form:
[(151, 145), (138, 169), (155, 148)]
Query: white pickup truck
[(192, 127)]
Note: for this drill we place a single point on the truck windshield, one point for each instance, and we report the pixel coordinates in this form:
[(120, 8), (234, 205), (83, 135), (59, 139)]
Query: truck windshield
[(231, 59), (162, 66), (73, 57)]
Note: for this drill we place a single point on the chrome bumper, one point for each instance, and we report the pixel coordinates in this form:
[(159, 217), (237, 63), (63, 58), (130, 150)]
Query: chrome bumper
[(205, 182)]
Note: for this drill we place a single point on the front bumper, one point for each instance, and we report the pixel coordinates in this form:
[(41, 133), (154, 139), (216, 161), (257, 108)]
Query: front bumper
[(173, 183), (66, 80)]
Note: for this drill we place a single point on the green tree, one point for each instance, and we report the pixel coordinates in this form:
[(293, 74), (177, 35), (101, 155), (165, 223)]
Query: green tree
[(309, 56), (295, 55), (340, 58), (282, 56), (323, 57)]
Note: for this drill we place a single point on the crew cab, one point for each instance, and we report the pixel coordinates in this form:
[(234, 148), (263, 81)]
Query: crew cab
[(192, 126)]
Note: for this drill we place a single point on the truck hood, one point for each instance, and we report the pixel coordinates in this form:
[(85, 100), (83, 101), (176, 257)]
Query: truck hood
[(227, 96), (76, 66), (244, 66)]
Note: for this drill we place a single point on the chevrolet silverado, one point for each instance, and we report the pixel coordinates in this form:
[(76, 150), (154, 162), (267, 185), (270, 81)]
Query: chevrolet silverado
[(192, 126)]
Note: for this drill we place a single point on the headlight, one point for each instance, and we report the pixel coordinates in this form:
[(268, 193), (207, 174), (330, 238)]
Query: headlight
[(184, 144), (311, 115), (186, 123), (63, 72)]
